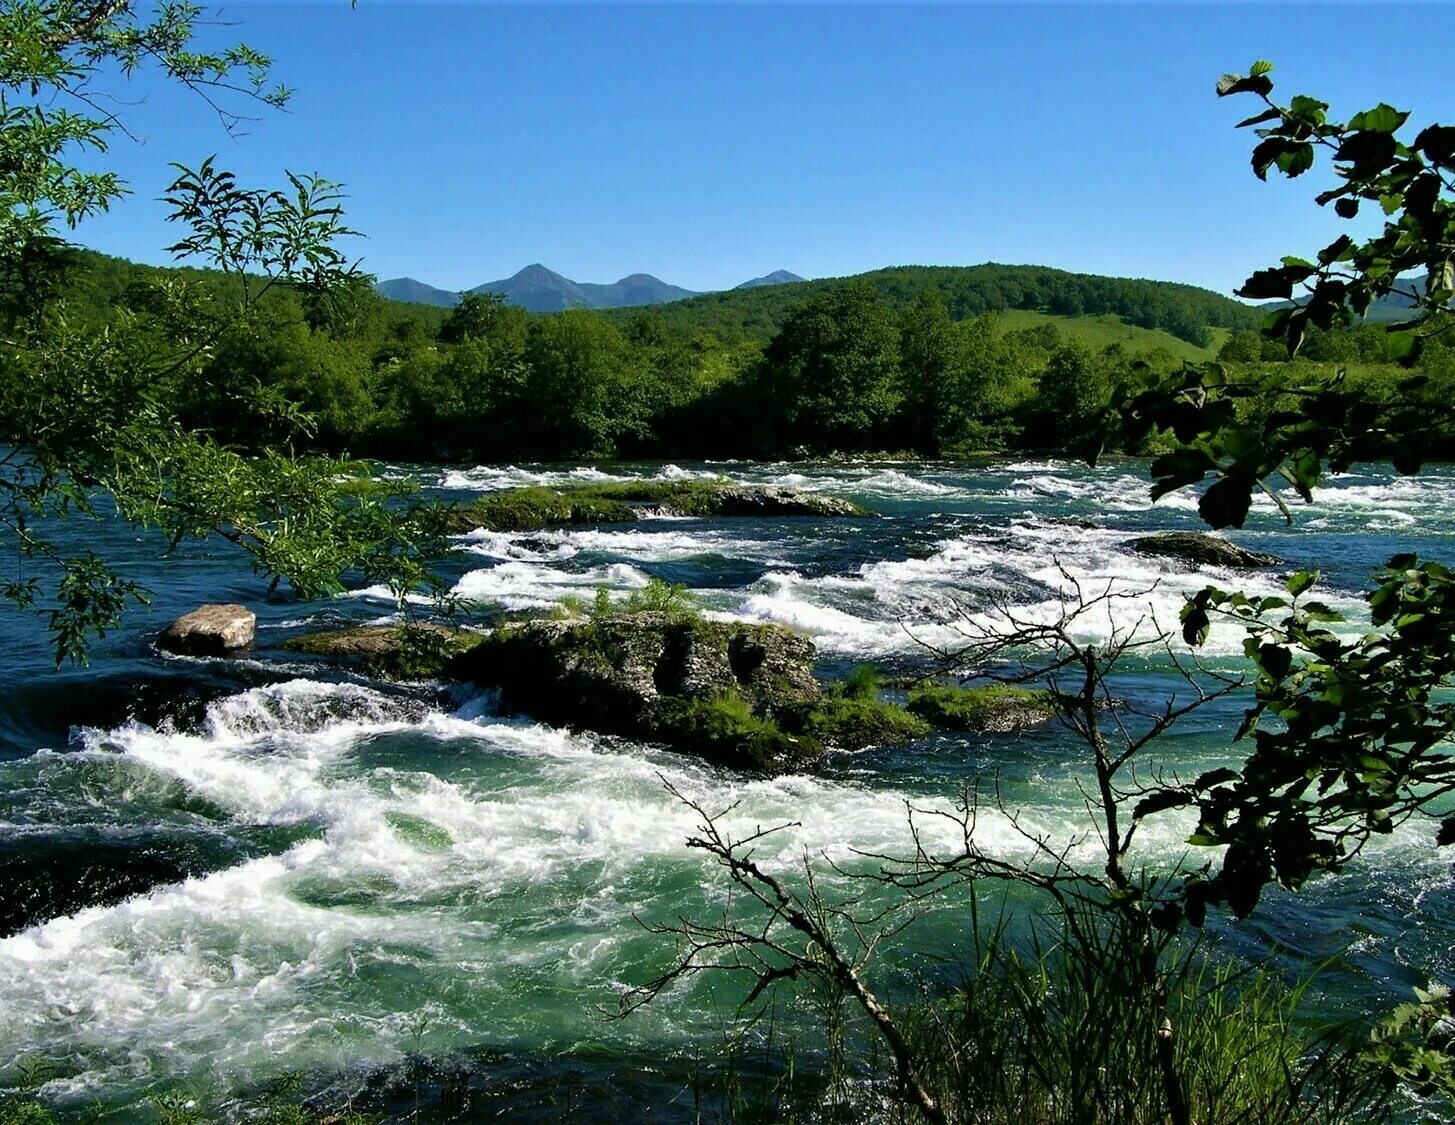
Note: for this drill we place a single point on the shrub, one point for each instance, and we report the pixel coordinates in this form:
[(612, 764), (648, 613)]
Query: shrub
[(862, 682), (658, 596)]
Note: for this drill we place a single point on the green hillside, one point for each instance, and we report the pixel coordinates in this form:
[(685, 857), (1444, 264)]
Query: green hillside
[(97, 284), (1107, 330), (1182, 312)]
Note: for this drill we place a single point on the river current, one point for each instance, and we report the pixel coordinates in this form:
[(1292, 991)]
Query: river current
[(224, 872)]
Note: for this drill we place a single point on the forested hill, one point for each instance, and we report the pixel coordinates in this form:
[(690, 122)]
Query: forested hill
[(1184, 311), (935, 362), (98, 284)]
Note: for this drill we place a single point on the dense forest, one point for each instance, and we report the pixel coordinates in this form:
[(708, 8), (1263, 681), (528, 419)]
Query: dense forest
[(1183, 311), (926, 361)]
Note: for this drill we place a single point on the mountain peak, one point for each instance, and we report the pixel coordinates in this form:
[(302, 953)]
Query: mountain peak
[(777, 277), (535, 272)]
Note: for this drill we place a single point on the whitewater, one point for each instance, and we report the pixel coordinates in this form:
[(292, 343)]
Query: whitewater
[(356, 876)]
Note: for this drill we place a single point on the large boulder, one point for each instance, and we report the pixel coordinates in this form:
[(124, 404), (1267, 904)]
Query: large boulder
[(707, 687), (210, 630), (1201, 549)]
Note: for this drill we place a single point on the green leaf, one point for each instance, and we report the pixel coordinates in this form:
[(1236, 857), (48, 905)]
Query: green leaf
[(1270, 284), (1404, 348), (1296, 161), (1319, 611), (1346, 208), (1298, 583), (1260, 118), (1381, 119)]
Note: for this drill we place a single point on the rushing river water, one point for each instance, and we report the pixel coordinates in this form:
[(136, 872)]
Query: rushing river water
[(305, 872)]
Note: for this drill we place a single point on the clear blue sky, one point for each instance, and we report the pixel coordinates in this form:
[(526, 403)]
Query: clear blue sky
[(711, 143)]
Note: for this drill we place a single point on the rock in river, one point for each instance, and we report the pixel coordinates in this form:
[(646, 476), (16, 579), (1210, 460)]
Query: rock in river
[(710, 688), (420, 651), (1203, 550), (210, 630)]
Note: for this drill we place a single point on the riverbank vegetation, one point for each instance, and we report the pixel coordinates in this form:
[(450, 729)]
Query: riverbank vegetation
[(929, 362)]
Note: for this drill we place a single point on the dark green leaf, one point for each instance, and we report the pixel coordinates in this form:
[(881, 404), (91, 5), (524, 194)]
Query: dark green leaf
[(1225, 503), (1161, 801), (1241, 84)]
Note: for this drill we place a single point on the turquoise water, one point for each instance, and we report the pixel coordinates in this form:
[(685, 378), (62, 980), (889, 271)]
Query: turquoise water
[(291, 870)]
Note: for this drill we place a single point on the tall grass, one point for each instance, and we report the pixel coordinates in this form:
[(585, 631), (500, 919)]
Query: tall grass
[(1062, 1027)]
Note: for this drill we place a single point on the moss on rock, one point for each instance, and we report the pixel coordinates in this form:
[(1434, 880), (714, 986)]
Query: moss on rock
[(424, 651), (724, 729), (527, 508), (991, 707)]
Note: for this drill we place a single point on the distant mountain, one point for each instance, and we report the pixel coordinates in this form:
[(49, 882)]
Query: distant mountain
[(416, 292), (543, 290), (777, 277)]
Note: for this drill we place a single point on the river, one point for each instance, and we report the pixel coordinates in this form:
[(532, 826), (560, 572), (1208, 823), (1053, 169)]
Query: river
[(303, 872)]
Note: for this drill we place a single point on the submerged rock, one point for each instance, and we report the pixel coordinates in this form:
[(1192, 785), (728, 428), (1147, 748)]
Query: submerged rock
[(210, 630), (57, 870), (1202, 549), (424, 651), (706, 687)]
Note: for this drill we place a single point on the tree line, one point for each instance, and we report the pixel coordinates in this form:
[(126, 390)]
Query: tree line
[(848, 370)]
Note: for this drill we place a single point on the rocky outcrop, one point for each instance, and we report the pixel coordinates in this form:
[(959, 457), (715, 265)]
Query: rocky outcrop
[(210, 630), (523, 509), (1201, 549), (775, 500), (423, 651), (705, 687)]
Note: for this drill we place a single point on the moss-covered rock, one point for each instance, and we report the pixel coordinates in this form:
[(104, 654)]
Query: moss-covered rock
[(852, 723), (525, 509), (990, 707), (520, 509), (425, 651), (659, 676), (724, 729), (1201, 549)]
